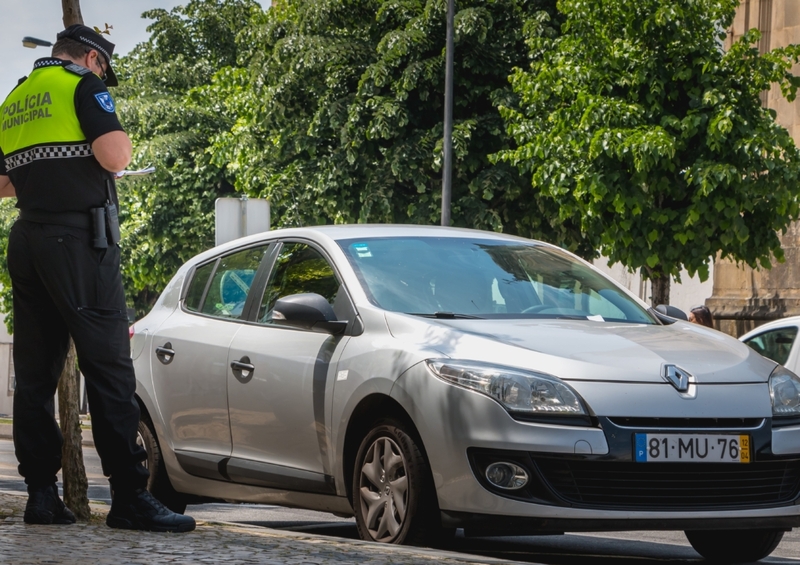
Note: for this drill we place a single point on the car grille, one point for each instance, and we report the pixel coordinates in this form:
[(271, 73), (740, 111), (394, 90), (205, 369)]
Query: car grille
[(677, 486), (690, 423)]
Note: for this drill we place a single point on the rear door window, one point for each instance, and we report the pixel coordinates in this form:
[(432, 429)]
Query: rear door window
[(220, 288)]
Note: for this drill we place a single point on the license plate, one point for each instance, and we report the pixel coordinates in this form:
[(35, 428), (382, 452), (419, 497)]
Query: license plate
[(692, 448)]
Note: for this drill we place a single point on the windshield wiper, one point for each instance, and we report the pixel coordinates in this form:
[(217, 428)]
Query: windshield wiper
[(445, 315)]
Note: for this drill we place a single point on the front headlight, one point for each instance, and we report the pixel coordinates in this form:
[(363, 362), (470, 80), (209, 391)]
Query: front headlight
[(518, 391), (784, 389)]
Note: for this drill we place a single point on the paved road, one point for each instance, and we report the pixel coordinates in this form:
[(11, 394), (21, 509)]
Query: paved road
[(631, 548)]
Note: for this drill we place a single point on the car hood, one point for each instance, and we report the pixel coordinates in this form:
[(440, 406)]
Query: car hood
[(588, 350)]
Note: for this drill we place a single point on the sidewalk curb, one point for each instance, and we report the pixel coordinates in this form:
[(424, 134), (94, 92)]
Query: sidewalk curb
[(346, 546), (401, 549), (6, 433)]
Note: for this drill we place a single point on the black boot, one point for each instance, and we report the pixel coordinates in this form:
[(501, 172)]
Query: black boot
[(45, 507), (140, 510)]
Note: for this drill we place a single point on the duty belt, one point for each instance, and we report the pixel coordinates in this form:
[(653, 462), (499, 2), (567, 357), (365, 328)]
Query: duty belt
[(82, 220)]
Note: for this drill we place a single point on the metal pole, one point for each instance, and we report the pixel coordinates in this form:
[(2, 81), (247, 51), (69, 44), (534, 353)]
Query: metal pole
[(243, 204), (447, 166)]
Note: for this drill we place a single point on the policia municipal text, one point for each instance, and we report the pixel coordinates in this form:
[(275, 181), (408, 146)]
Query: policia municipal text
[(60, 143)]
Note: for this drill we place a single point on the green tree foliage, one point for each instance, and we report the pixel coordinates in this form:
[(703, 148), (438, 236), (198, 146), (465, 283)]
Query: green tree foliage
[(169, 216), (653, 139), (8, 215), (339, 117)]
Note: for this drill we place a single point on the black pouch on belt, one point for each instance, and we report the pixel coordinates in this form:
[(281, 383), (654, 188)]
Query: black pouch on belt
[(99, 240)]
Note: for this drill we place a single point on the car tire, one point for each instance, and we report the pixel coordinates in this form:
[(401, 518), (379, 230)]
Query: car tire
[(393, 494), (734, 546), (158, 483)]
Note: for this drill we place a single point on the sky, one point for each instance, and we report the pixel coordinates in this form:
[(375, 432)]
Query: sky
[(42, 19)]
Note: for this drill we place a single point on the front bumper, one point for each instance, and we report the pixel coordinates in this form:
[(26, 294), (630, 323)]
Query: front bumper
[(614, 481), (458, 427)]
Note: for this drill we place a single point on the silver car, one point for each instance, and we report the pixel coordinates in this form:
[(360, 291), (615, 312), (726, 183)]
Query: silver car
[(425, 379)]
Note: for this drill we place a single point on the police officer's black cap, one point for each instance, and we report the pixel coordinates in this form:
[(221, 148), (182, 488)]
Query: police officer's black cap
[(90, 38)]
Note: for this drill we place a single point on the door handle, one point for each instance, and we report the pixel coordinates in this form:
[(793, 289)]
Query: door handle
[(165, 353), (242, 369)]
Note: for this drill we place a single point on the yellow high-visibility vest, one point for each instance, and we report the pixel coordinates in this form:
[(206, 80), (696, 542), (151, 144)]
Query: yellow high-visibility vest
[(38, 120)]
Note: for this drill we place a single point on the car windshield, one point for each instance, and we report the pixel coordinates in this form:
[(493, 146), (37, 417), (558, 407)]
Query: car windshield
[(484, 278)]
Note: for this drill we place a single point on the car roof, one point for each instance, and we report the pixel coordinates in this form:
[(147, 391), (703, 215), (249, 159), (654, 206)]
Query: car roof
[(356, 231), (790, 321)]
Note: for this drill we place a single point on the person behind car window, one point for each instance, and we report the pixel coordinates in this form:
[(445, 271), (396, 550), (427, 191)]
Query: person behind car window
[(701, 315)]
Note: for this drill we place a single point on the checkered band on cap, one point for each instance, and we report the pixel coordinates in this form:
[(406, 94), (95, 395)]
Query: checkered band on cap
[(48, 152), (96, 45)]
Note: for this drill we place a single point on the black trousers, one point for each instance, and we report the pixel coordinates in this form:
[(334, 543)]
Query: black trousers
[(63, 287)]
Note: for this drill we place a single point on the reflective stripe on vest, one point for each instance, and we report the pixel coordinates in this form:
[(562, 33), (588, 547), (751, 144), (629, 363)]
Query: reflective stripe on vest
[(38, 119)]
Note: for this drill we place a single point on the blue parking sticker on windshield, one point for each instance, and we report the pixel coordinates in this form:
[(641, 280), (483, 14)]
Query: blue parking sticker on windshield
[(362, 249), (105, 101)]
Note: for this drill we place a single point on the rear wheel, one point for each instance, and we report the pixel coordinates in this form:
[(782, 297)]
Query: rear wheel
[(734, 546), (393, 494), (158, 483)]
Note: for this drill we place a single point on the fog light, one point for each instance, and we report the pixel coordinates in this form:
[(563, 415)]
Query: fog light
[(507, 476)]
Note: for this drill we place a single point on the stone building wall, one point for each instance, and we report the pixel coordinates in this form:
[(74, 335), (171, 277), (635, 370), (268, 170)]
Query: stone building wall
[(744, 298)]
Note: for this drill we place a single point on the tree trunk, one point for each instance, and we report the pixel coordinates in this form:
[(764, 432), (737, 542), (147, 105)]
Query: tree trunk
[(660, 288), (73, 472), (71, 10)]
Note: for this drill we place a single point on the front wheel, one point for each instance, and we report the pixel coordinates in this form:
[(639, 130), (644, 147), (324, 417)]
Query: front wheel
[(393, 494), (734, 546), (158, 483)]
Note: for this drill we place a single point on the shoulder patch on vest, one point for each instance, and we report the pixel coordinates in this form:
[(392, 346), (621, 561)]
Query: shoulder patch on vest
[(77, 69), (105, 101)]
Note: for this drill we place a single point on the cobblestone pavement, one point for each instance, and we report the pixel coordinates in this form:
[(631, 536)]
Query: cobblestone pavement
[(94, 543)]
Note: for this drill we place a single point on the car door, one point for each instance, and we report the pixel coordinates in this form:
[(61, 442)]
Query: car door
[(278, 409), (190, 352)]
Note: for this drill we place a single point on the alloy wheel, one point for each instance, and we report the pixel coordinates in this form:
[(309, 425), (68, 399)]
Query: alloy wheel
[(141, 443), (384, 489)]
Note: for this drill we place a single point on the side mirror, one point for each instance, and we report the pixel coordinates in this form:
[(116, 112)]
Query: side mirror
[(308, 311), (672, 312)]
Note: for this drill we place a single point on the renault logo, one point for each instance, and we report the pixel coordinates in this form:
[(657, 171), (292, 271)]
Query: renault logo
[(677, 377)]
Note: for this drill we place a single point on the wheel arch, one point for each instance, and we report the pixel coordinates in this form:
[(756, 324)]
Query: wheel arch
[(159, 482), (156, 427), (143, 407), (370, 410)]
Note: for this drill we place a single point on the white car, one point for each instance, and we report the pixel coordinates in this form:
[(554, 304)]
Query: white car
[(777, 340), (425, 379)]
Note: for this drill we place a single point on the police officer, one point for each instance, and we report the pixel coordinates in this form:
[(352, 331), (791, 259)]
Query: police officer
[(60, 143)]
